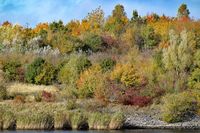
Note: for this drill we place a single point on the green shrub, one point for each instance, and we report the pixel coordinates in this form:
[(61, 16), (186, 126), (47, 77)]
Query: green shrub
[(70, 92), (197, 58), (177, 107), (71, 104), (82, 63), (194, 79), (40, 72), (89, 81), (151, 39), (69, 73), (93, 41), (61, 42), (47, 74), (3, 92), (107, 64), (196, 95), (34, 69), (157, 59), (11, 70)]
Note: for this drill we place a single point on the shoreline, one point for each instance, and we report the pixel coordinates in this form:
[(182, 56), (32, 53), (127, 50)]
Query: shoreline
[(148, 122), (57, 116), (136, 122)]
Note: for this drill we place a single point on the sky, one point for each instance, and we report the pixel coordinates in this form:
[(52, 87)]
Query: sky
[(32, 12)]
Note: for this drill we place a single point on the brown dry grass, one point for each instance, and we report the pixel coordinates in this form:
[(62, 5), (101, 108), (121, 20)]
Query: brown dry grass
[(20, 88)]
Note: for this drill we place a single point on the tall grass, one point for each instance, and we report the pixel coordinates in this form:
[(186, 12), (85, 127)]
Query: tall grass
[(62, 120), (79, 120), (35, 120), (48, 116), (103, 121), (117, 121), (71, 120), (99, 121), (7, 119)]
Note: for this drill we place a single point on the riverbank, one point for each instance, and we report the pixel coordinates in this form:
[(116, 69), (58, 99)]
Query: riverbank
[(107, 131), (59, 116)]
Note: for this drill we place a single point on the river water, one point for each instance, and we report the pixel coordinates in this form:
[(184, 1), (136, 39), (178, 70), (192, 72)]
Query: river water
[(121, 131)]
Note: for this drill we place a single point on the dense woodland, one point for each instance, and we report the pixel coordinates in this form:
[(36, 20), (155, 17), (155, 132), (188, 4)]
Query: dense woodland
[(139, 61)]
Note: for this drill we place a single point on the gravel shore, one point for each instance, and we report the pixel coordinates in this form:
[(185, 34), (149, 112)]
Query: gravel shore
[(148, 121)]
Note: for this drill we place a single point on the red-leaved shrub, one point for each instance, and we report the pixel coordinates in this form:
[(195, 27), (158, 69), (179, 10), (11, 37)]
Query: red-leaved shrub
[(48, 97), (118, 93), (133, 97), (140, 101)]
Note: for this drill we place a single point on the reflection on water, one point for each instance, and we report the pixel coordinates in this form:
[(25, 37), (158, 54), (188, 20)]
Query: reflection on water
[(121, 131)]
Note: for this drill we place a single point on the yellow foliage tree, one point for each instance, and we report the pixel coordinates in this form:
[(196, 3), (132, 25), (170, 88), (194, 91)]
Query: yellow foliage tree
[(73, 27), (117, 22), (127, 74), (40, 27), (89, 81)]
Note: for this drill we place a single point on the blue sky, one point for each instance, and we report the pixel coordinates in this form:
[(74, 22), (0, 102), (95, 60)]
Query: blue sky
[(35, 11)]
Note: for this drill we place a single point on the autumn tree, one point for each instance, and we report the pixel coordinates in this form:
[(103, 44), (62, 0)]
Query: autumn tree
[(162, 26), (133, 36), (57, 26), (61, 42), (93, 22), (117, 21), (96, 19), (135, 15), (73, 28), (41, 27), (136, 18), (151, 39), (15, 36), (152, 17), (183, 11), (177, 58), (27, 34), (93, 42), (85, 26), (57, 37), (7, 23), (196, 60)]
